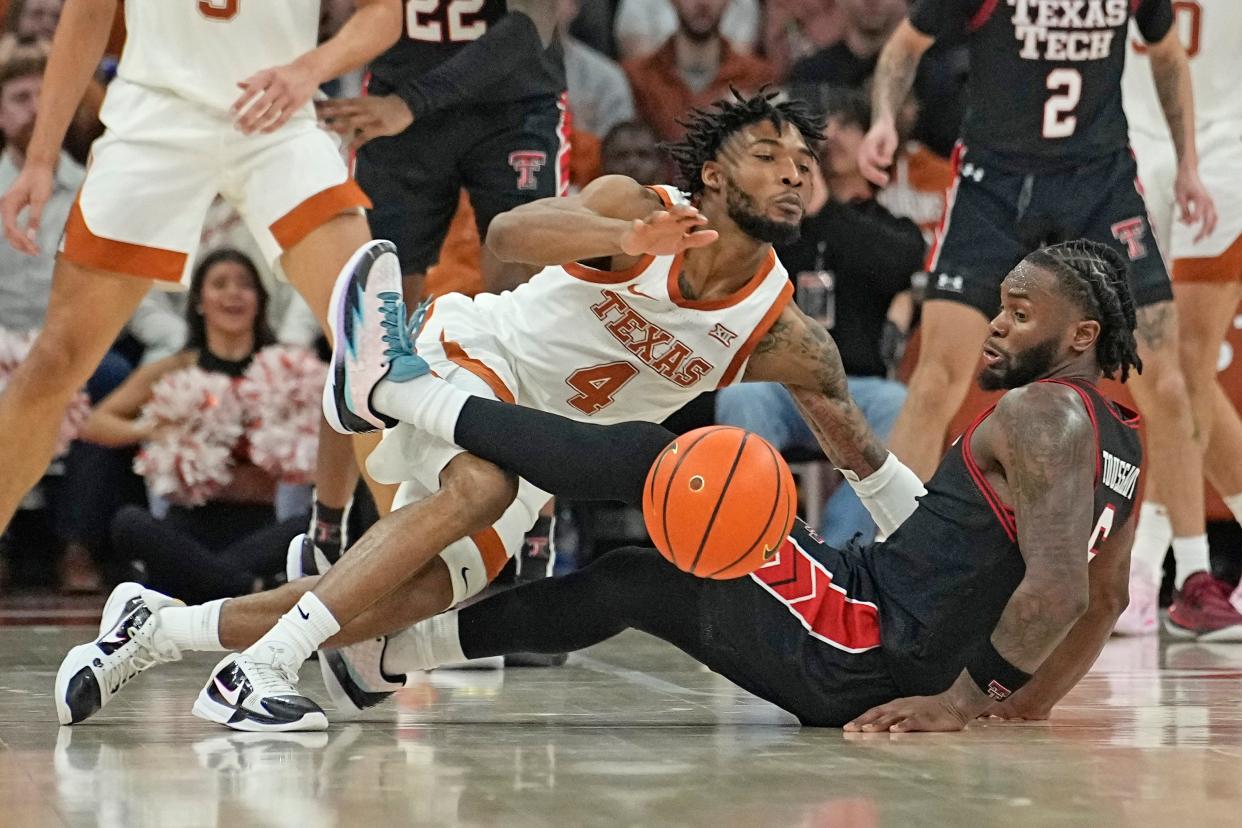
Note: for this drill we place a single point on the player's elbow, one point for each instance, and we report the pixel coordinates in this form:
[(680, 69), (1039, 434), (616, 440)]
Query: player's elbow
[(504, 238)]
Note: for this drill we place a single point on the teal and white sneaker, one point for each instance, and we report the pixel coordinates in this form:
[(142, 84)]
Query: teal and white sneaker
[(371, 339)]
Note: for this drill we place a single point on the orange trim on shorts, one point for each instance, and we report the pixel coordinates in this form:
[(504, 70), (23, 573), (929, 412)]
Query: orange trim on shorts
[(760, 331), (491, 550), (457, 354), (315, 211), (82, 247), (1225, 268)]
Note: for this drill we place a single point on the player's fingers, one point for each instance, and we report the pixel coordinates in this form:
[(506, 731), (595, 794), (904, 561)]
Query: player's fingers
[(1209, 219), (251, 88), (279, 115), (9, 209), (701, 238)]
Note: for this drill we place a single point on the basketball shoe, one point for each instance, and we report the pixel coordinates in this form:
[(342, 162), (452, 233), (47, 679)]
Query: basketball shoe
[(371, 339), (1201, 610), (353, 675), (1141, 615), (247, 694), (129, 642)]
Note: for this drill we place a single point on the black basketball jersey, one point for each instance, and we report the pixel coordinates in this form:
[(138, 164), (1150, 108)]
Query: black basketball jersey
[(1045, 75), (435, 30), (945, 576)]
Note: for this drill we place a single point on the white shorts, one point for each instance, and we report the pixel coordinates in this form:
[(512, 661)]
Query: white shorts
[(162, 161), (460, 351), (1220, 168)]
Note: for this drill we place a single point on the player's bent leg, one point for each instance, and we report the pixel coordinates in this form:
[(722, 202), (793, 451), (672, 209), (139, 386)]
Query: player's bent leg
[(1222, 465), (952, 335), (1205, 311), (86, 310)]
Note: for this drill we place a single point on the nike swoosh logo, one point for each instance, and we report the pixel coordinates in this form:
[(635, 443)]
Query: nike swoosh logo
[(465, 572), (230, 696), (634, 290), (305, 615)]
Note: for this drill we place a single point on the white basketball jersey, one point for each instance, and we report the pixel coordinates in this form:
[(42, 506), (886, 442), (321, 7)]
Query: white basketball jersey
[(1211, 31), (200, 49), (620, 346)]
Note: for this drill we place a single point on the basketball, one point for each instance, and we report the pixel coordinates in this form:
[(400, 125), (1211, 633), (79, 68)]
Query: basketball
[(719, 501)]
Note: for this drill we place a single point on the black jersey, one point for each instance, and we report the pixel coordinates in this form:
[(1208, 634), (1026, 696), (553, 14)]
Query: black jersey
[(435, 30), (1045, 75), (944, 577)]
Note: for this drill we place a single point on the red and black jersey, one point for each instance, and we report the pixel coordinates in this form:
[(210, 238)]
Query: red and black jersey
[(1045, 75), (435, 30), (945, 576)]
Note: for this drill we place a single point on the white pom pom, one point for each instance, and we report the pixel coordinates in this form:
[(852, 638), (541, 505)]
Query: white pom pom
[(201, 423), (281, 393)]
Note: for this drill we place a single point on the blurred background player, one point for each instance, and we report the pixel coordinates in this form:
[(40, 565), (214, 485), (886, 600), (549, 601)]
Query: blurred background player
[(1045, 156), (1207, 285), (179, 133)]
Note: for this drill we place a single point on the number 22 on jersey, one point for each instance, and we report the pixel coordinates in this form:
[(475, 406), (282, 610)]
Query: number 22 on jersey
[(444, 21)]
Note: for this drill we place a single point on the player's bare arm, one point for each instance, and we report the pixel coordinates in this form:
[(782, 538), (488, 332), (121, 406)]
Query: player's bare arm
[(1170, 68), (271, 97), (894, 76), (77, 48), (614, 217), (1038, 450), (498, 53), (1109, 585), (799, 352)]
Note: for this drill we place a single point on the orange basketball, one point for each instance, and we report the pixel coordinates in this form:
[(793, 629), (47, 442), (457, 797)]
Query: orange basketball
[(719, 501)]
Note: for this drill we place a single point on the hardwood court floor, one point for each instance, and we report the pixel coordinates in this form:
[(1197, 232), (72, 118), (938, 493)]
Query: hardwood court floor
[(628, 733)]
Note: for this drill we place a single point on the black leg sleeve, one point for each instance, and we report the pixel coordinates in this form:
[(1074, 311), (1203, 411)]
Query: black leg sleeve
[(578, 461)]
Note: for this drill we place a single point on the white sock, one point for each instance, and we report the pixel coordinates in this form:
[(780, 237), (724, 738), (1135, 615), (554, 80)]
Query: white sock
[(890, 493), (1234, 502), (297, 634), (427, 402), (1191, 555), (194, 628), (1151, 539), (424, 646)]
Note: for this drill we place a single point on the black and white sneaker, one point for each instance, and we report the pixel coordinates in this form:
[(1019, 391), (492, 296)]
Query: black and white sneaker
[(129, 642), (305, 558), (247, 694), (355, 677)]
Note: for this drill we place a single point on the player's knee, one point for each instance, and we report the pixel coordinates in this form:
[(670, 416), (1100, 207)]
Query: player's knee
[(480, 486), (52, 367)]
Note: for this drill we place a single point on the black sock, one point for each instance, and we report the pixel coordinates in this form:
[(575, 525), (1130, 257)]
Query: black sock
[(327, 528)]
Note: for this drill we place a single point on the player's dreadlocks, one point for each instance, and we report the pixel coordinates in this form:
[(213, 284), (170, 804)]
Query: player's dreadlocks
[(1096, 278), (708, 129)]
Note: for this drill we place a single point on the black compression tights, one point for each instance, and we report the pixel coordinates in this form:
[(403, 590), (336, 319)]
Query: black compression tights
[(578, 461)]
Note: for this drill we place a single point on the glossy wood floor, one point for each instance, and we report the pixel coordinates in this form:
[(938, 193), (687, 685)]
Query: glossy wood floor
[(629, 733)]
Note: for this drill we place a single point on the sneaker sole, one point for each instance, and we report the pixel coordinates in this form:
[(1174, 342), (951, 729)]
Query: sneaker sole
[(339, 417), (207, 708), (345, 704), (69, 668), (1179, 632), (1225, 635)]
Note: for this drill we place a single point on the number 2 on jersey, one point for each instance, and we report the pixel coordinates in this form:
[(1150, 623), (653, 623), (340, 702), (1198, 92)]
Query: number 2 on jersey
[(598, 385), (1058, 122), (1103, 528), (219, 9), (420, 24)]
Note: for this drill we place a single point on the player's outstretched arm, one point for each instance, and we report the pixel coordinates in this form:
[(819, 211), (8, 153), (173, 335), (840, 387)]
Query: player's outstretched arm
[(77, 48), (1041, 440), (613, 217), (1109, 575), (894, 76)]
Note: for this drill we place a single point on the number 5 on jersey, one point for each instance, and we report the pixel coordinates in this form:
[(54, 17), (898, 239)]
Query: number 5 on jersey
[(598, 385), (219, 9)]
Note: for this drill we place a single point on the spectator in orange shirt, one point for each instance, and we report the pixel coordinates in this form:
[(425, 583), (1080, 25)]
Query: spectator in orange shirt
[(694, 67)]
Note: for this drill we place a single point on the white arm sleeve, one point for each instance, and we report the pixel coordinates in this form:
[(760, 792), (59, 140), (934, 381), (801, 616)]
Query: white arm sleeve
[(890, 494)]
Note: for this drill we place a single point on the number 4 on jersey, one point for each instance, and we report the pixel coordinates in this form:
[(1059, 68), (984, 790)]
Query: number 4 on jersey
[(598, 385)]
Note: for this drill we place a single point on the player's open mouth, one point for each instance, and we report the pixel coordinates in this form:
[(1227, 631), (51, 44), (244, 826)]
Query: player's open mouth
[(992, 357)]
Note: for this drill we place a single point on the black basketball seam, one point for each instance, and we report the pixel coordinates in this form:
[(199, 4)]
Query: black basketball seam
[(707, 532), (668, 543), (766, 526)]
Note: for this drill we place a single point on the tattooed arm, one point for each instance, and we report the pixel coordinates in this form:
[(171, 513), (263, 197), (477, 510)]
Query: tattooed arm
[(894, 75), (1041, 442), (798, 352), (1170, 68)]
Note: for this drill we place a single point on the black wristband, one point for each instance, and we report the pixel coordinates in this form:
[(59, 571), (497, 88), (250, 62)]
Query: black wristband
[(992, 674)]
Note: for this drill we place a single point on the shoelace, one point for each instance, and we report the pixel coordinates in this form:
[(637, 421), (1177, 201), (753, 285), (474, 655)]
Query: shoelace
[(396, 334), (268, 679), (135, 656)]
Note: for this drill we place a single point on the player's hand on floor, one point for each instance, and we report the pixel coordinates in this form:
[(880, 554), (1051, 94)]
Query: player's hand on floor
[(1006, 711), (667, 232), (909, 715), (271, 97), (358, 120), (1194, 202), (30, 193)]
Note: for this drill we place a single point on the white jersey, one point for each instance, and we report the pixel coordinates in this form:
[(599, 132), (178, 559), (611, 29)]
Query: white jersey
[(611, 347), (200, 49), (1211, 31)]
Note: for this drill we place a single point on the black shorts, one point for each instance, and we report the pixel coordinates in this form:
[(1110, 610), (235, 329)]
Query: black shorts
[(803, 632), (504, 155), (996, 215)]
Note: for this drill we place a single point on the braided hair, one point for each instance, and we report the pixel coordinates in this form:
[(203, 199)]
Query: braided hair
[(1096, 278), (708, 129)]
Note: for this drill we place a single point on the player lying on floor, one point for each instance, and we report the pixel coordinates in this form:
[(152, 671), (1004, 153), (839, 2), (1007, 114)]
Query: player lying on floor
[(980, 602)]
